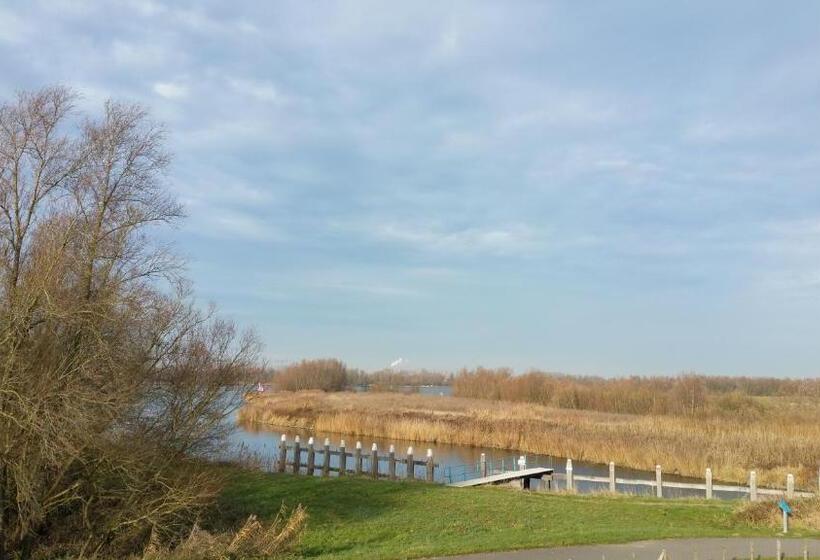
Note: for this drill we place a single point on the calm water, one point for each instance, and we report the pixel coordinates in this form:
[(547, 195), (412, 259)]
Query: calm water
[(437, 390), (458, 461)]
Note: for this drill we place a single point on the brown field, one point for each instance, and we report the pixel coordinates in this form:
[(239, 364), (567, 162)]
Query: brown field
[(782, 437)]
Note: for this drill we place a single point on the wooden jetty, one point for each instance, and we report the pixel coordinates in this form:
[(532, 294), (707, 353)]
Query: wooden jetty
[(523, 477), (310, 459)]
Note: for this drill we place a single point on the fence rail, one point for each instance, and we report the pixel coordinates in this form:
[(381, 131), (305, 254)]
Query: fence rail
[(707, 486)]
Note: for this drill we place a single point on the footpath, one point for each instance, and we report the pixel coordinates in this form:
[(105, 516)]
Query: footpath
[(676, 549)]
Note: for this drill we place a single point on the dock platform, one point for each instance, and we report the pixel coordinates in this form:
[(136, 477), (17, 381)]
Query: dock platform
[(524, 476)]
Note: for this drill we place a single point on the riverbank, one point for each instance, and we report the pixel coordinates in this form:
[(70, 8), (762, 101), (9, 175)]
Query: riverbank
[(681, 445), (351, 518)]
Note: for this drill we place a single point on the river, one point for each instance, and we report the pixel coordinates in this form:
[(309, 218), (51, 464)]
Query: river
[(460, 461)]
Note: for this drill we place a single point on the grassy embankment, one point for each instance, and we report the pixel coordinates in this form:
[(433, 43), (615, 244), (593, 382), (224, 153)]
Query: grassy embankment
[(360, 518), (776, 441)]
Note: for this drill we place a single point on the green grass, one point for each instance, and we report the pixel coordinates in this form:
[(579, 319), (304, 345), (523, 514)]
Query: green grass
[(359, 518)]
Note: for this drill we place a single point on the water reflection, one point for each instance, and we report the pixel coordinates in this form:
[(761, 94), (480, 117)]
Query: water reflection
[(459, 461)]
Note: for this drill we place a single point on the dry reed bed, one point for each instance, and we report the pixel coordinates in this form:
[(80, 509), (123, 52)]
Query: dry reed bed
[(774, 445)]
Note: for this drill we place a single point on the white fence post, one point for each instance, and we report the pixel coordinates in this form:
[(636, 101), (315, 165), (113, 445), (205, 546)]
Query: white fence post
[(342, 458), (374, 461), (358, 457), (297, 455), (482, 465), (708, 484), (658, 482), (612, 477), (326, 463), (570, 485), (283, 454), (411, 465), (311, 457), (753, 486), (391, 462), (790, 486)]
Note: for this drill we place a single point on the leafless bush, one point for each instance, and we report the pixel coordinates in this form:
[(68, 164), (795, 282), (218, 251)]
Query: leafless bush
[(325, 375), (110, 380)]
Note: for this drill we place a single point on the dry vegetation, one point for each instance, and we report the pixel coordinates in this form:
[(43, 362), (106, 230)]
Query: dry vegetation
[(112, 382), (252, 540), (805, 514), (774, 440)]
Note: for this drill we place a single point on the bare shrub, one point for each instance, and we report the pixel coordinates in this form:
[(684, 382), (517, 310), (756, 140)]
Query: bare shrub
[(325, 375)]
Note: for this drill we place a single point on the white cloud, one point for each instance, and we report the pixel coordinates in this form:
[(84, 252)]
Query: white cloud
[(147, 7), (261, 90), (630, 169), (561, 108), (497, 240), (366, 287), (221, 223), (199, 21), (12, 28), (138, 54), (448, 44), (720, 130), (171, 90)]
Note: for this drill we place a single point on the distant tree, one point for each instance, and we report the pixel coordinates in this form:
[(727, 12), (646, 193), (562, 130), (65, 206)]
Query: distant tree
[(690, 393), (325, 375)]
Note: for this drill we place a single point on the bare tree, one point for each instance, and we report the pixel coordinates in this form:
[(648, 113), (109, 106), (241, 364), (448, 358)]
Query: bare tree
[(110, 378)]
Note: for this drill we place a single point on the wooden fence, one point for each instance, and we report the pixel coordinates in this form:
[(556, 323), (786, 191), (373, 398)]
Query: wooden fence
[(309, 459), (708, 487)]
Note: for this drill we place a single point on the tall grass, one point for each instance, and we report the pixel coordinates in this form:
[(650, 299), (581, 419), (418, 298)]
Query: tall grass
[(774, 441)]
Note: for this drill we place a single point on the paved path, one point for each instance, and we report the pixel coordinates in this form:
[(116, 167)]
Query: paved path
[(676, 549)]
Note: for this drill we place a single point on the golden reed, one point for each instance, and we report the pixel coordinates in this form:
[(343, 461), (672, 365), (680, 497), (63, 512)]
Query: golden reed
[(774, 444)]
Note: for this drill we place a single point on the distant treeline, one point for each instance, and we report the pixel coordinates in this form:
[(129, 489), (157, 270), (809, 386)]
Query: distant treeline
[(334, 375), (686, 394)]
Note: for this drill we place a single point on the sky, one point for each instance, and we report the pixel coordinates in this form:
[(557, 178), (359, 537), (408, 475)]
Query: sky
[(592, 187)]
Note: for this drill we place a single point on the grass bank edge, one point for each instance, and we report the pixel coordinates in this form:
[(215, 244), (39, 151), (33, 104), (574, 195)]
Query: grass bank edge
[(360, 518)]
